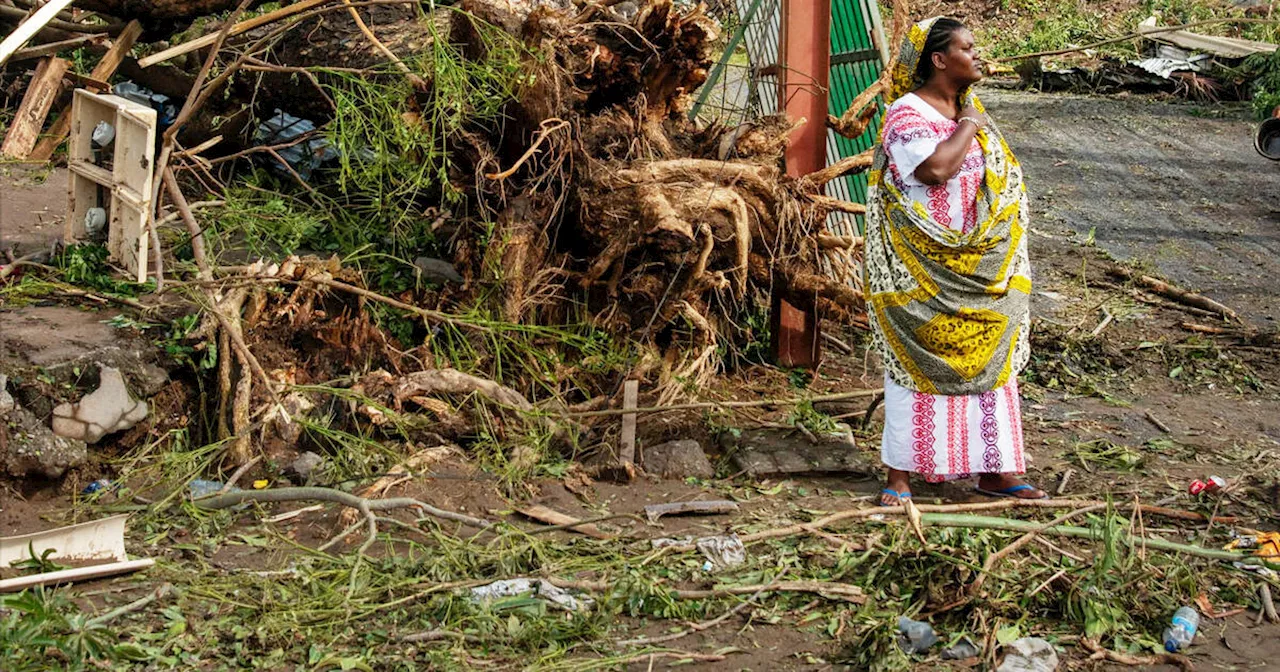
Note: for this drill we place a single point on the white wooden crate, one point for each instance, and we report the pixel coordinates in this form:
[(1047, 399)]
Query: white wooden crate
[(122, 187)]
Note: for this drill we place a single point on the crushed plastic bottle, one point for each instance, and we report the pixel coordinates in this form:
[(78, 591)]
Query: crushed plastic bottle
[(100, 485), (1179, 635), (915, 636)]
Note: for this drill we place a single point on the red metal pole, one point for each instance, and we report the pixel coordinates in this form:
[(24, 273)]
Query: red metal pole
[(805, 54)]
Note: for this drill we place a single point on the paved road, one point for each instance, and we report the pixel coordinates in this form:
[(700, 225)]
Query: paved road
[(1159, 183)]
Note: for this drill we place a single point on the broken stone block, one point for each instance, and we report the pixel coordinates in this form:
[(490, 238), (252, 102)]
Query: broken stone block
[(106, 410), (765, 452), (67, 347), (33, 450), (1029, 654), (678, 459)]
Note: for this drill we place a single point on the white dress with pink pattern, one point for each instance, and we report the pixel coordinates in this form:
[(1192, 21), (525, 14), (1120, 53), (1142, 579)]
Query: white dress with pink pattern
[(943, 437)]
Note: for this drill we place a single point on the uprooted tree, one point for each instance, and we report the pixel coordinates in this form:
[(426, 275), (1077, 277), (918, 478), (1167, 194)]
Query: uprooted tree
[(576, 191)]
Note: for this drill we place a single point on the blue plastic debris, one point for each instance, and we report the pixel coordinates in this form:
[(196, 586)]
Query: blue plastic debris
[(166, 111), (303, 157), (100, 485)]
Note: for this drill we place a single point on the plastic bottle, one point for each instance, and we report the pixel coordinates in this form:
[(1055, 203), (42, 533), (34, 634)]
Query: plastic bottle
[(915, 636), (1179, 635)]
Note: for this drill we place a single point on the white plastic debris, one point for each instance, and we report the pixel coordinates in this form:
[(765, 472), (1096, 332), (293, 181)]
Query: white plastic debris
[(540, 588), (723, 551), (720, 551), (1259, 569), (1029, 654)]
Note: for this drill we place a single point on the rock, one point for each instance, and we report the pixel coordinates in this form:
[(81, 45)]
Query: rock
[(678, 459), (437, 270), (764, 452), (31, 449), (106, 410), (6, 399), (305, 465), (1029, 654)]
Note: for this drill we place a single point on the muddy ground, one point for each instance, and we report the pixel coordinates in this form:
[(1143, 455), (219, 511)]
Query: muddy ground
[(1177, 188)]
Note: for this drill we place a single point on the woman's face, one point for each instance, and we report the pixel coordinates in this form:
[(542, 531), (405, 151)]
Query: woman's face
[(960, 61)]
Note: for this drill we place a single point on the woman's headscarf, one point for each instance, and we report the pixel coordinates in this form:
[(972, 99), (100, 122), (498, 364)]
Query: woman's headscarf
[(950, 311)]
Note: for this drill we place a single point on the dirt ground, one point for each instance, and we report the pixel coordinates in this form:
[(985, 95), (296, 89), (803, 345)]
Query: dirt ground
[(1175, 187)]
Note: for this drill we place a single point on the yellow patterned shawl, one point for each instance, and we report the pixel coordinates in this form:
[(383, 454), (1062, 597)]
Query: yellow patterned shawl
[(950, 311)]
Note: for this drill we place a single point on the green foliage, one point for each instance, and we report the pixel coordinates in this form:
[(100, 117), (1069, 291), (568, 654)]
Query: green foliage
[(1264, 69), (37, 564), (393, 163), (268, 224), (85, 265), (394, 169), (42, 630)]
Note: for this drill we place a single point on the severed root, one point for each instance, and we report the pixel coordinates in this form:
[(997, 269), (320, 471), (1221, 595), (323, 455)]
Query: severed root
[(757, 179), (452, 381), (364, 506), (862, 110), (852, 164), (1101, 653)]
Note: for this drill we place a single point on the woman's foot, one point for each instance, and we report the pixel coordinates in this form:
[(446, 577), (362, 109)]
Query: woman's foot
[(897, 487), (1008, 485)]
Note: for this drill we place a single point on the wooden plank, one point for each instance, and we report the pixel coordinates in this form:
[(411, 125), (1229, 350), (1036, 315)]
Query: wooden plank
[(50, 48), (43, 90), (543, 514), (242, 27), (103, 71), (85, 81), (87, 170), (29, 27), (627, 447)]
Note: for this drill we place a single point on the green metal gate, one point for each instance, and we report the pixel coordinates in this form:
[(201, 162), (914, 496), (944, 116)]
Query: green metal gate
[(738, 92)]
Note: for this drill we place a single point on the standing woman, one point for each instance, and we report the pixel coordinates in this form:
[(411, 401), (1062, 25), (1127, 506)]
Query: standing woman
[(947, 276)]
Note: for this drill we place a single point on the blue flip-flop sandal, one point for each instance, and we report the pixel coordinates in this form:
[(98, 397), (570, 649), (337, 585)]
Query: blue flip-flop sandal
[(1011, 492), (900, 495)]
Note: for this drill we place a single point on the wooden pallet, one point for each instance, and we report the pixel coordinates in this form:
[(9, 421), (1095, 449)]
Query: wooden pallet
[(123, 187)]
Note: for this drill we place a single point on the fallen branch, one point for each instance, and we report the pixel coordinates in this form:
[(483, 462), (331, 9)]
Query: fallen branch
[(995, 558), (229, 30), (193, 227), (866, 512), (1268, 605), (437, 635), (839, 396), (827, 589), (678, 655), (28, 28), (133, 606), (364, 506), (417, 82), (1175, 293), (991, 523), (1101, 653), (235, 476), (562, 521), (1151, 417)]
